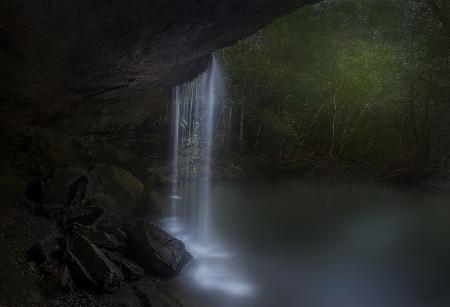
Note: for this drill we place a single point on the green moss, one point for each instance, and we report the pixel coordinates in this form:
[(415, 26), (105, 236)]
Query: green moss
[(128, 182), (123, 187)]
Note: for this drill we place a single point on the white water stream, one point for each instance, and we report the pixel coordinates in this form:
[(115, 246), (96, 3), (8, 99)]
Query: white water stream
[(194, 110)]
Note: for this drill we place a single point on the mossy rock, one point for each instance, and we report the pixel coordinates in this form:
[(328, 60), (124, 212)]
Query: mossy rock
[(126, 189)]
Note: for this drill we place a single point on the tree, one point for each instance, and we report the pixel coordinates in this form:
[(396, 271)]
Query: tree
[(364, 81)]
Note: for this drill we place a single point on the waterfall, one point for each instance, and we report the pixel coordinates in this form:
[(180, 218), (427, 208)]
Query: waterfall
[(195, 114), (175, 152), (194, 106)]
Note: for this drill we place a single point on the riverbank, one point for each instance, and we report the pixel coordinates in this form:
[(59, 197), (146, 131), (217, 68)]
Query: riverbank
[(417, 175)]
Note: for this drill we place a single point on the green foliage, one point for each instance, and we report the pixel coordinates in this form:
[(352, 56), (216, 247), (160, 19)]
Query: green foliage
[(346, 79)]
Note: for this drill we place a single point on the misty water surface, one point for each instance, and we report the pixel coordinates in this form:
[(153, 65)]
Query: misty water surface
[(292, 243)]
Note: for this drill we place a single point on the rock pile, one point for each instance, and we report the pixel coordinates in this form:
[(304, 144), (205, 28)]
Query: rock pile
[(99, 245)]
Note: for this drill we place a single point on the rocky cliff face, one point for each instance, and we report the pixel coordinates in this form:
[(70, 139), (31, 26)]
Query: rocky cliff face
[(92, 64)]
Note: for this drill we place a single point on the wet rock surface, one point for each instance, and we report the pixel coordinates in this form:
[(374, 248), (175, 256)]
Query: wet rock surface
[(156, 250), (130, 269), (100, 238), (93, 262)]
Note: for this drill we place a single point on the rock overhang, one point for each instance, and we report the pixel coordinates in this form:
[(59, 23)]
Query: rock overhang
[(87, 65)]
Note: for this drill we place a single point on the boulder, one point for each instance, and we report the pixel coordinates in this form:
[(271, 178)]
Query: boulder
[(90, 264), (66, 185), (46, 250), (49, 268), (121, 185), (142, 293), (114, 230), (84, 214), (151, 296), (100, 238), (156, 250), (85, 193), (59, 280), (111, 216), (125, 297), (80, 274), (53, 211), (153, 203), (131, 271)]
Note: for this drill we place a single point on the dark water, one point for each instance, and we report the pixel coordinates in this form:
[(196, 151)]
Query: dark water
[(291, 243)]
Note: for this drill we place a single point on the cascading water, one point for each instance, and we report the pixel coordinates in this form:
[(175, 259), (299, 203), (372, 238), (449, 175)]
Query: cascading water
[(176, 135), (194, 110), (191, 200)]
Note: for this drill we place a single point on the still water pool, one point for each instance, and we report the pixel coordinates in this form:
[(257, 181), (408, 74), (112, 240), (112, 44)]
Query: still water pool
[(292, 243)]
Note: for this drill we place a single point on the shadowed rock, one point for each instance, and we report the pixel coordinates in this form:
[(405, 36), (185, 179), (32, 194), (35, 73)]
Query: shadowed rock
[(151, 296), (83, 196), (156, 250), (54, 212), (80, 274), (131, 271), (95, 64), (142, 293), (85, 215), (47, 249), (90, 264), (65, 186), (59, 280), (100, 238)]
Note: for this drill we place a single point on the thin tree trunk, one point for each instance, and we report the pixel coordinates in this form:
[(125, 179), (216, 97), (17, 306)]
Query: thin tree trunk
[(413, 120), (333, 129), (426, 132), (241, 131), (400, 135), (442, 13), (257, 136), (229, 125), (346, 133), (309, 127)]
